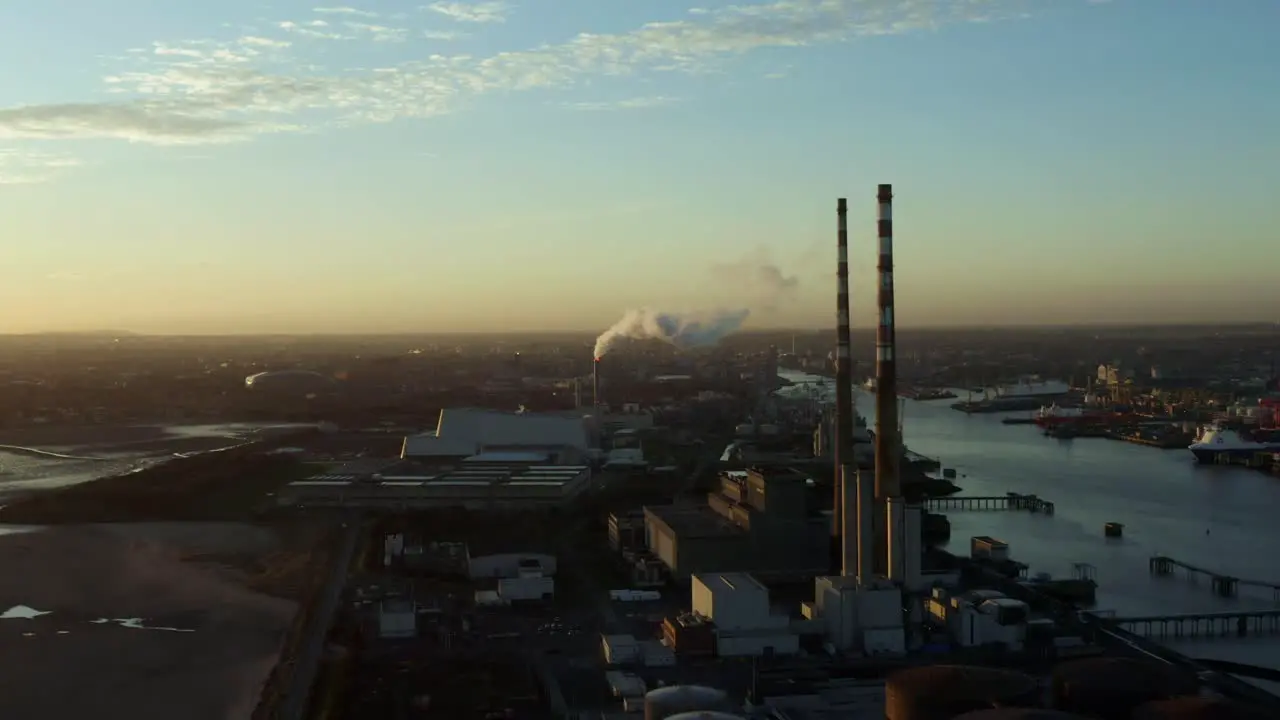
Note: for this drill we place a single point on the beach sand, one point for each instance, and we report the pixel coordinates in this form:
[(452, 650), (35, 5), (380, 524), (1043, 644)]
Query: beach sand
[(65, 665)]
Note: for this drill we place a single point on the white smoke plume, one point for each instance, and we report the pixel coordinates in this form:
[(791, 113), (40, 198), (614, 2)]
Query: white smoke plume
[(766, 283), (683, 331)]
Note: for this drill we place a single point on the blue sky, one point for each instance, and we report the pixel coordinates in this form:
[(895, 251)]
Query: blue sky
[(540, 164)]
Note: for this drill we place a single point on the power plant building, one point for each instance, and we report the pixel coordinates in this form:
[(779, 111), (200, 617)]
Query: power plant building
[(467, 432), (762, 521)]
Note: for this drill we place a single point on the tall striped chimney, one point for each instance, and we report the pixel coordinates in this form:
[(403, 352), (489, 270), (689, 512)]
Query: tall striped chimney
[(843, 441), (887, 444)]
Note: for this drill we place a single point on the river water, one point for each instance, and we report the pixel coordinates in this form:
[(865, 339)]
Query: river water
[(23, 472), (1224, 519)]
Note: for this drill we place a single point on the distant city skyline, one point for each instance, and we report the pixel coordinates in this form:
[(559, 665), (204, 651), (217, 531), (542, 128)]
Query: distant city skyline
[(235, 168)]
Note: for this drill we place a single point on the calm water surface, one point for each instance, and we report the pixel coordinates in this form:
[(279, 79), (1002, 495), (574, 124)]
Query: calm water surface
[(1225, 519)]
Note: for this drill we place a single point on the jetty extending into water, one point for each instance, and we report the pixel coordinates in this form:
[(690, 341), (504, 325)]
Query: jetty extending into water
[(1230, 624), (1222, 585), (1008, 501)]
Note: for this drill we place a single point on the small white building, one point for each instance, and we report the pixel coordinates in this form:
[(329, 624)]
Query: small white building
[(981, 617), (738, 606), (733, 601)]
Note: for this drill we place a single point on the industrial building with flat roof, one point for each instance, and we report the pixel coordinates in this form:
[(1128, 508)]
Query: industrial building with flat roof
[(762, 521), (477, 459), (476, 483), (465, 432)]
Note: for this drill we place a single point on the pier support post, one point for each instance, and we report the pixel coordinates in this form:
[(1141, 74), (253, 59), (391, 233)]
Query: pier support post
[(1224, 586)]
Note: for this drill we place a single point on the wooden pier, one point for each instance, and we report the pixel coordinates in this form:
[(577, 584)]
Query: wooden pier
[(1231, 624), (1222, 585), (1009, 501)]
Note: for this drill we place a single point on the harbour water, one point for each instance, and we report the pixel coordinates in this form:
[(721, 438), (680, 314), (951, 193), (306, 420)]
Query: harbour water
[(1223, 519)]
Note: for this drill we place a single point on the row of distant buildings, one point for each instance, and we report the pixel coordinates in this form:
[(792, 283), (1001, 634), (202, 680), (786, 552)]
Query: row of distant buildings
[(481, 459)]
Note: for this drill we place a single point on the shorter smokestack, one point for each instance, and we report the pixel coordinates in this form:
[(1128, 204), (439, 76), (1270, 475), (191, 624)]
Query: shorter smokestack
[(850, 540), (896, 524), (914, 548), (866, 527), (595, 384)]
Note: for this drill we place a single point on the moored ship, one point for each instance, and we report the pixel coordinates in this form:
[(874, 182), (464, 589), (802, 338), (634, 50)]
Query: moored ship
[(1028, 393), (1221, 444), (1056, 416)]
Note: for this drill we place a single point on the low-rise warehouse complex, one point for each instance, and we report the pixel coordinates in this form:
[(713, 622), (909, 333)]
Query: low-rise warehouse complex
[(478, 485), (761, 521)]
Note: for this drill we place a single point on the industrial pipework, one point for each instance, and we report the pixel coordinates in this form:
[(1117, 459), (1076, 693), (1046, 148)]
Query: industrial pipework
[(843, 444)]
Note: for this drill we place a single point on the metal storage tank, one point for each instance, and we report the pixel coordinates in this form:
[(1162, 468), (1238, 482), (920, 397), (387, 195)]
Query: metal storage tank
[(663, 703), (1194, 707), (940, 692), (1018, 714), (1110, 688), (706, 715)]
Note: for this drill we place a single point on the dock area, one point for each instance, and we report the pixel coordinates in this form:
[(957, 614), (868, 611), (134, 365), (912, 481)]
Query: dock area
[(1222, 585), (1159, 440), (1230, 624), (1101, 627), (1008, 501)]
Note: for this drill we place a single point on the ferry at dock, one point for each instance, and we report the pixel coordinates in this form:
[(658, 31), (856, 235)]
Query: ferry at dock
[(1218, 443)]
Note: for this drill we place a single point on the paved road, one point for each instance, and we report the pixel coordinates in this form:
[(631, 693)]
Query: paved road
[(307, 663)]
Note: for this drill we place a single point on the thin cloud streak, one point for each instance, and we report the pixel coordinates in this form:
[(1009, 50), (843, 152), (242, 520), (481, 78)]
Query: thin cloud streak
[(637, 103), (478, 12), (344, 11)]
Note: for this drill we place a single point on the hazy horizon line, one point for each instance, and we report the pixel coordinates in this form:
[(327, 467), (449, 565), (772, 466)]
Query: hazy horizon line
[(1108, 325)]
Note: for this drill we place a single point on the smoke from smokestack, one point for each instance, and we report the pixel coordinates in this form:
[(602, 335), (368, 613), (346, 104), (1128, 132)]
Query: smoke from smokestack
[(773, 283), (765, 282), (682, 331)]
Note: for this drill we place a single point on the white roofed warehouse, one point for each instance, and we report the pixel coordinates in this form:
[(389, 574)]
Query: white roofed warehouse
[(477, 459), (466, 432)]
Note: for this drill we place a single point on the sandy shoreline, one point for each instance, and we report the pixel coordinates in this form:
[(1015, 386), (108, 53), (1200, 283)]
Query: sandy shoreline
[(100, 440), (62, 664)]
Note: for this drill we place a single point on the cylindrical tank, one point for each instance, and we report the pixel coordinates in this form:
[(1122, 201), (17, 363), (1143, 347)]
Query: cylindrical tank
[(940, 692), (1017, 714), (666, 702), (1110, 688), (1194, 707), (706, 715)]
